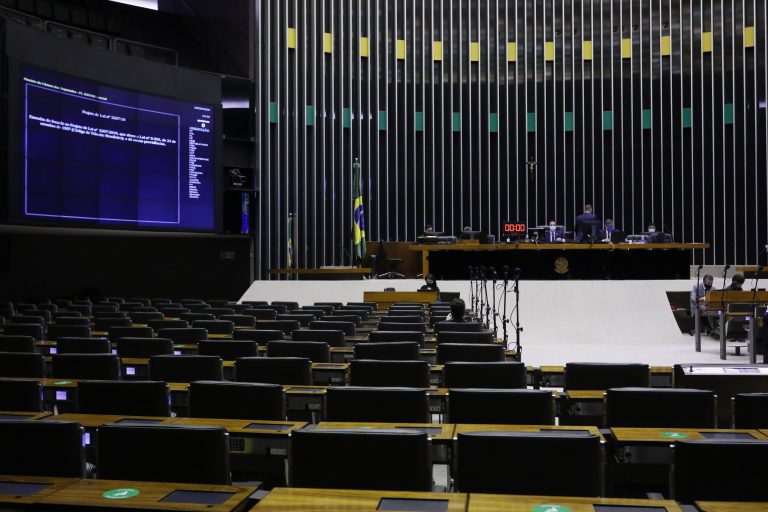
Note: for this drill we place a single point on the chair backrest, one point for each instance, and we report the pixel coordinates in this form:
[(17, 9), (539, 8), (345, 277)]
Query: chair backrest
[(56, 331), (446, 326), (295, 371), (228, 350), (172, 311), (291, 305), (83, 309), (26, 319), (485, 463), (403, 459), (34, 330), (660, 407), (402, 319), (67, 345), (116, 333), (85, 366), (22, 364), (606, 375), (261, 336), (105, 324), (261, 314), (465, 337), (214, 326), (347, 327), (142, 317), (184, 335), (134, 398), (168, 323), (370, 372), (392, 351), (239, 320), (501, 406), (492, 375), (344, 316), (363, 313), (370, 306), (191, 317), (750, 410), (285, 326), (378, 404), (42, 448), (719, 470), (17, 343), (186, 368), (334, 338), (318, 313), (144, 347), (21, 395), (400, 326), (474, 353), (197, 455), (389, 336), (277, 308), (315, 351), (236, 400)]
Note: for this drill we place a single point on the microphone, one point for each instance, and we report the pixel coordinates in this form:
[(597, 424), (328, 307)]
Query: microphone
[(482, 272), (726, 267), (471, 272), (516, 273), (492, 273), (505, 272), (700, 267)]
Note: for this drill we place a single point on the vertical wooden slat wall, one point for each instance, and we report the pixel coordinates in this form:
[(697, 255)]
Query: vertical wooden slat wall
[(652, 110)]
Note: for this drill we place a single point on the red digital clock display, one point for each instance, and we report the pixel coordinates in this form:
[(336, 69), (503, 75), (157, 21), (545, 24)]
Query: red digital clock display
[(514, 228)]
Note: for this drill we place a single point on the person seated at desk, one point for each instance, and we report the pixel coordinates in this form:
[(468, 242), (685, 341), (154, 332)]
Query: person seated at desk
[(737, 282), (605, 234), (552, 234), (698, 295), (429, 284), (458, 310), (657, 237)]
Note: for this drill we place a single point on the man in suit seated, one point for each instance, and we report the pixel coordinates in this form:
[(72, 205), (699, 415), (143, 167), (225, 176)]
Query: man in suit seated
[(552, 234), (605, 234), (657, 237)]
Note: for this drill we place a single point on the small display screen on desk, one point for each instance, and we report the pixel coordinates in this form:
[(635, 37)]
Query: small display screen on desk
[(564, 432), (267, 426), (22, 488), (138, 421), (627, 508), (407, 505), (429, 430), (198, 497), (727, 435)]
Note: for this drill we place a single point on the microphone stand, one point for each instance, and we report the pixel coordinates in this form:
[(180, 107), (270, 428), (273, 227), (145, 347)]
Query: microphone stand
[(518, 328), (722, 295), (504, 320), (472, 297), (493, 302), (487, 302)]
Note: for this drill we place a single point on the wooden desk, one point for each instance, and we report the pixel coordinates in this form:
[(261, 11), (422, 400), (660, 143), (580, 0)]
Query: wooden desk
[(731, 506), (386, 299), (334, 500), (463, 428), (510, 503), (666, 436), (439, 432), (27, 490), (92, 421), (86, 494), (245, 427)]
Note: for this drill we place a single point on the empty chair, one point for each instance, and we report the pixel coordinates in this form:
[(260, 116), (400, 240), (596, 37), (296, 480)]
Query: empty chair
[(239, 320), (475, 353), (256, 302), (286, 326), (389, 336), (67, 345), (295, 371), (278, 308), (316, 313), (660, 407), (228, 350), (133, 398), (85, 366), (26, 319), (144, 301), (719, 470), (521, 463), (464, 337), (342, 316), (117, 333), (47, 306), (144, 347), (83, 309), (186, 368), (188, 302), (198, 308), (217, 312), (191, 317), (326, 309), (46, 316), (21, 395), (73, 320), (501, 406), (22, 364), (110, 315), (142, 317), (102, 308), (22, 307), (327, 325), (172, 312), (370, 306), (214, 326), (261, 336), (237, 400), (403, 460), (492, 375), (750, 410), (458, 326), (405, 313), (377, 404), (369, 372), (290, 305), (362, 314), (303, 320), (391, 350), (184, 335), (42, 448), (197, 455), (57, 331), (334, 305), (105, 324), (16, 343), (315, 351), (334, 338), (34, 330), (261, 314), (402, 319), (606, 375), (156, 325), (399, 326)]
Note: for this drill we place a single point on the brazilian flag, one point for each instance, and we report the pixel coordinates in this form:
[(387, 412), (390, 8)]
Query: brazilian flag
[(358, 227)]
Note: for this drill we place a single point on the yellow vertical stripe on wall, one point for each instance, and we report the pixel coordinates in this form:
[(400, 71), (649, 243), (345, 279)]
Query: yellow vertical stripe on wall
[(328, 42), (511, 52), (666, 45), (474, 51), (706, 41), (291, 37), (364, 47), (437, 50), (749, 37), (400, 49), (586, 49), (626, 48), (549, 50)]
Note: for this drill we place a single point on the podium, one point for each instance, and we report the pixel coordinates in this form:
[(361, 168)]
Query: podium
[(386, 299), (718, 300)]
